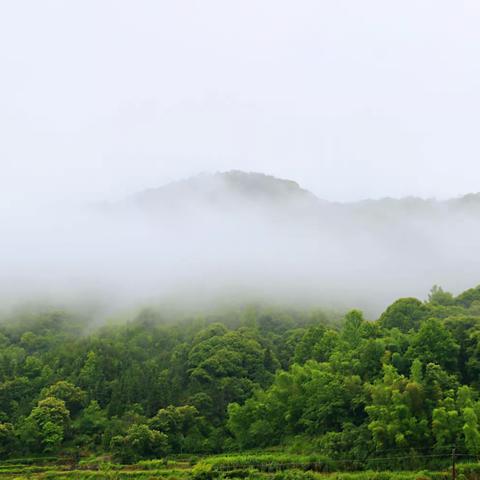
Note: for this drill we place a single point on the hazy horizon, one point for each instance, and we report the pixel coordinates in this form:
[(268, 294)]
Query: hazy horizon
[(233, 239), (351, 100)]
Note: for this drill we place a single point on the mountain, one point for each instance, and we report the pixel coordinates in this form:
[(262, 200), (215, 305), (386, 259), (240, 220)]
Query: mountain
[(226, 191), (238, 235)]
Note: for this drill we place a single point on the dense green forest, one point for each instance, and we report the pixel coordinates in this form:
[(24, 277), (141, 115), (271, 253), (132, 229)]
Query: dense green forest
[(250, 378)]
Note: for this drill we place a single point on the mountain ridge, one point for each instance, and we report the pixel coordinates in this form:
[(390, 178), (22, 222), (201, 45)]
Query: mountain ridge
[(230, 188), (260, 186)]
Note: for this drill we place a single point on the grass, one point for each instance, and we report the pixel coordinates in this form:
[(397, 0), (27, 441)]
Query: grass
[(269, 462), (252, 466)]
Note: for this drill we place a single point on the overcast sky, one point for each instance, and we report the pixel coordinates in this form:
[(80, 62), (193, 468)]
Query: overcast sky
[(352, 99)]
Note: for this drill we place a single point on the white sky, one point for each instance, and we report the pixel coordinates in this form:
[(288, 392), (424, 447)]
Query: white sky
[(352, 99)]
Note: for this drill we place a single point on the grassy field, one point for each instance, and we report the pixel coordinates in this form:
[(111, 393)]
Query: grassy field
[(257, 466), (260, 466)]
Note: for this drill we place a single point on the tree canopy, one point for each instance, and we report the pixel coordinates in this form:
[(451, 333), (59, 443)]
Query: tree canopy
[(246, 378)]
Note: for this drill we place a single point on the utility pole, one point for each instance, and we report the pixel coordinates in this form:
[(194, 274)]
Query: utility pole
[(454, 471)]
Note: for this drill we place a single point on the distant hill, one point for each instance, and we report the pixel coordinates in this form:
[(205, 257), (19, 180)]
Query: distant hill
[(249, 235), (241, 236), (238, 188), (228, 190)]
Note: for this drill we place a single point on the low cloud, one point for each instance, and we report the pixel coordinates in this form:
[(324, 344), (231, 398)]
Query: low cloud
[(239, 237)]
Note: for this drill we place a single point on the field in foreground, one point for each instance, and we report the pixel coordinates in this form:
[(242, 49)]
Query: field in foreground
[(255, 466)]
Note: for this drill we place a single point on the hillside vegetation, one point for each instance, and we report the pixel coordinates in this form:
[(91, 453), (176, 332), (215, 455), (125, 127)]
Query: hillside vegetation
[(347, 389)]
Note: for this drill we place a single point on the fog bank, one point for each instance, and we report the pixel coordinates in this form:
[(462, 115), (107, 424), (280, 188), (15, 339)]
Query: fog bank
[(238, 237)]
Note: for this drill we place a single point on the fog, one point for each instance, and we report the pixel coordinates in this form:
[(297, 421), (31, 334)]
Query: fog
[(236, 238), (100, 100)]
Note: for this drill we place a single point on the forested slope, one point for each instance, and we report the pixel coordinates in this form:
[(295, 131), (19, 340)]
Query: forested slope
[(244, 379)]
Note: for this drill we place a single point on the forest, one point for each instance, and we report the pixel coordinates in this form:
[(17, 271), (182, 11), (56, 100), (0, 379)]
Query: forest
[(252, 379)]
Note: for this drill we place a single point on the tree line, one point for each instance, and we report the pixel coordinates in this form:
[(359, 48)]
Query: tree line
[(244, 379)]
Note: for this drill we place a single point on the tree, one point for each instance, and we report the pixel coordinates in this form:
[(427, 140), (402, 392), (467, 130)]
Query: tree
[(139, 442), (396, 412), (227, 367), (433, 343), (48, 422), (471, 431), (305, 348), (307, 399), (324, 348), (8, 441), (352, 328), (404, 314), (438, 296), (371, 355), (91, 424), (74, 397), (468, 297), (446, 424), (181, 425), (91, 376), (330, 399)]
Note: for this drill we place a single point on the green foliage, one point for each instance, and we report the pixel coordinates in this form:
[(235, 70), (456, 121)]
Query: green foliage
[(471, 431), (244, 379), (90, 425), (306, 347), (397, 412), (183, 427), (469, 297), (404, 314), (44, 429), (7, 439), (73, 396), (433, 343), (438, 296), (139, 442)]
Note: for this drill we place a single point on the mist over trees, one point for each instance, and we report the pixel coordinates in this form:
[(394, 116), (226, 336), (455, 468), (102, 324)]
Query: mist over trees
[(239, 240), (82, 373), (244, 378), (238, 237)]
